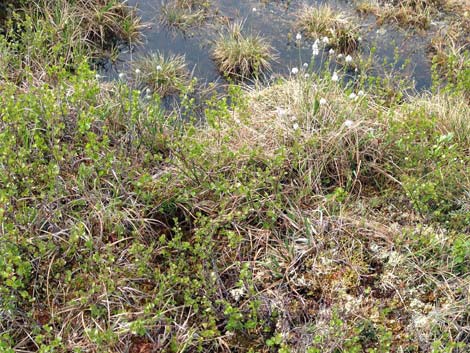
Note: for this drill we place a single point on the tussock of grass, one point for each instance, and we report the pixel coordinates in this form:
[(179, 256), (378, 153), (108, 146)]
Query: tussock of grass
[(183, 14), (450, 52), (409, 13), (105, 21), (240, 55), (97, 21), (323, 20), (64, 31), (162, 74)]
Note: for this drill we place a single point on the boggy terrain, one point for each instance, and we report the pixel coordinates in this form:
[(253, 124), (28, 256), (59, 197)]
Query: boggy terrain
[(326, 210)]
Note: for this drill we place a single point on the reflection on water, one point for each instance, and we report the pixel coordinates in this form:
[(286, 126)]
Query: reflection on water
[(275, 21)]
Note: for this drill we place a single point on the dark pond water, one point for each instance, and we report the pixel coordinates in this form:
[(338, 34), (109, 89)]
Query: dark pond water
[(275, 20)]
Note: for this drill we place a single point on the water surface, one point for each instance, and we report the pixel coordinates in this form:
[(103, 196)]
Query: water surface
[(275, 21)]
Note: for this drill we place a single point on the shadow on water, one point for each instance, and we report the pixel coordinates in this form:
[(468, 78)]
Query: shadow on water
[(274, 20)]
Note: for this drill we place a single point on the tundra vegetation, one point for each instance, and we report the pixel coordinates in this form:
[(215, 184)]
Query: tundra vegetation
[(304, 214), (324, 21), (410, 13), (241, 55), (183, 14), (160, 73)]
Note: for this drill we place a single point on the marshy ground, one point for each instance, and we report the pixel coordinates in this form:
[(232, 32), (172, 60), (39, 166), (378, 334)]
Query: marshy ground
[(181, 180)]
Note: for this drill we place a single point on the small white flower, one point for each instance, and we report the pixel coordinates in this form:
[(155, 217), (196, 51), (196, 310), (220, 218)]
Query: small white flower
[(420, 321), (159, 68), (295, 126), (325, 40), (253, 9), (356, 69), (137, 71), (340, 56), (348, 123), (298, 36), (307, 75), (322, 101), (359, 39), (305, 65), (281, 112), (97, 76), (360, 93), (349, 59), (315, 49), (295, 71), (237, 293), (353, 96), (148, 91), (122, 75), (335, 77), (331, 52)]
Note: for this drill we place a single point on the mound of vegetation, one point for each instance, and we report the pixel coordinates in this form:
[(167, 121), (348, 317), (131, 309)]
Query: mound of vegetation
[(183, 14), (241, 55), (324, 21), (416, 14)]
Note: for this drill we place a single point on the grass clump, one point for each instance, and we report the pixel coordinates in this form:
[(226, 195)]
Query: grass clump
[(408, 13), (240, 55), (97, 22), (106, 21), (450, 53), (162, 74), (70, 30), (324, 21), (183, 14)]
